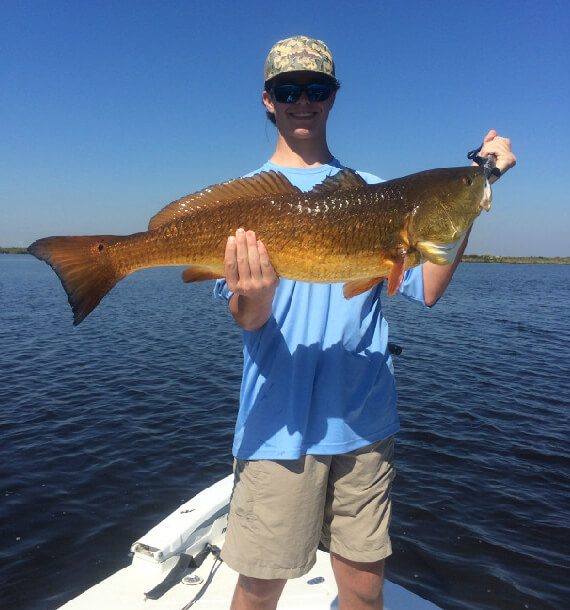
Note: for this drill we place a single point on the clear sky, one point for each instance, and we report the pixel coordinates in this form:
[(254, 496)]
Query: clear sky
[(111, 109)]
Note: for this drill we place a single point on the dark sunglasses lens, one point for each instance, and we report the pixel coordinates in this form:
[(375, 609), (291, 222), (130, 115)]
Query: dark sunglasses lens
[(287, 94), (318, 92)]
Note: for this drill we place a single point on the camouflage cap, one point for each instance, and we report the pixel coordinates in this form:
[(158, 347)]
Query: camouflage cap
[(299, 53)]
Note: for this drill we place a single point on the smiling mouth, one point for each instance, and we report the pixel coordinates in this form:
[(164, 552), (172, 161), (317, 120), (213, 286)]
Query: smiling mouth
[(303, 115)]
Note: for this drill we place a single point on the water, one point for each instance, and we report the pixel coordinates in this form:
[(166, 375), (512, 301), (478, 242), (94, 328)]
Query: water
[(484, 384), (106, 428)]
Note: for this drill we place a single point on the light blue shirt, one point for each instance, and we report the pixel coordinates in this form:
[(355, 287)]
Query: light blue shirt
[(318, 377)]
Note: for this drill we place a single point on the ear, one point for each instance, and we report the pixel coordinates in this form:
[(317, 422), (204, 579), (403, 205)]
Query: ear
[(268, 102)]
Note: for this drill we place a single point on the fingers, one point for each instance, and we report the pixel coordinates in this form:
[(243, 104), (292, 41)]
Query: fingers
[(243, 261), (264, 262), (495, 146), (253, 257), (230, 263), (248, 268)]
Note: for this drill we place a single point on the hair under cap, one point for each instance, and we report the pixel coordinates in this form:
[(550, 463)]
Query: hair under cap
[(299, 53)]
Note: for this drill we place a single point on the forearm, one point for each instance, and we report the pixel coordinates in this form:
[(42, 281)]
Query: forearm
[(437, 277)]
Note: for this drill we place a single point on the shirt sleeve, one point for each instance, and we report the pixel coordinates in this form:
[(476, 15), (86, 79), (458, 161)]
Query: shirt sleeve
[(413, 285)]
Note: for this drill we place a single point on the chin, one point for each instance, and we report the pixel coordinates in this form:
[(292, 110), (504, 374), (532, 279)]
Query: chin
[(303, 133)]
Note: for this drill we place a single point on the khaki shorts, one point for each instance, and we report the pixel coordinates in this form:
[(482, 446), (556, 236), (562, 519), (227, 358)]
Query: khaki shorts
[(281, 509)]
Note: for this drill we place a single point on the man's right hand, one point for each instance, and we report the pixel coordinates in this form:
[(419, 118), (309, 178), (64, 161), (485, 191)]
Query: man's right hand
[(251, 277)]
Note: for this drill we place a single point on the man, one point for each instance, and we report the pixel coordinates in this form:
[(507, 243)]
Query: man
[(314, 434)]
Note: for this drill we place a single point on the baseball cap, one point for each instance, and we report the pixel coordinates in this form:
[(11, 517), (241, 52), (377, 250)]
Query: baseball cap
[(299, 53)]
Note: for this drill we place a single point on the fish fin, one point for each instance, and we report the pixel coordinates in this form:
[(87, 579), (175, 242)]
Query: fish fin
[(345, 179), (396, 276), (199, 274), (83, 266), (356, 287), (263, 183), (440, 254)]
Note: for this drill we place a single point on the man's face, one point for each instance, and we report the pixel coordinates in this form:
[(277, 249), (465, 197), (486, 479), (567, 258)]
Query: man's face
[(301, 119)]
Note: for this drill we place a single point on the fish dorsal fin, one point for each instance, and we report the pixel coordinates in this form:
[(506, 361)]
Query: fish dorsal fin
[(264, 183), (345, 179)]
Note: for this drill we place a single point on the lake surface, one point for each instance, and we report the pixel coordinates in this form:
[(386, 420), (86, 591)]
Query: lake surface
[(108, 427)]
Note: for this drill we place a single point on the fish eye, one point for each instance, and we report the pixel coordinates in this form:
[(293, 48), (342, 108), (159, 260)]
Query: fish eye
[(467, 181)]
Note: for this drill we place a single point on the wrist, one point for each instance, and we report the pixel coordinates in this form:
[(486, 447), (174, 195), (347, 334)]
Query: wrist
[(251, 312)]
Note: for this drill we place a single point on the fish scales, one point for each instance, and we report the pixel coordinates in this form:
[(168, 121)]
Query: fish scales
[(301, 232), (344, 230)]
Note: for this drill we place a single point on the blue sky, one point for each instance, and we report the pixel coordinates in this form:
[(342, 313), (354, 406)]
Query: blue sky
[(111, 109)]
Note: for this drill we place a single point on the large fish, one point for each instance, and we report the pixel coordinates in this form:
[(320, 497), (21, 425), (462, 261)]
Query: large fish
[(344, 230)]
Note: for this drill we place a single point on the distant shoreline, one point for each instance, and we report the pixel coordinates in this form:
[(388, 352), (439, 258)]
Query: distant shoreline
[(467, 258), (521, 260), (13, 251)]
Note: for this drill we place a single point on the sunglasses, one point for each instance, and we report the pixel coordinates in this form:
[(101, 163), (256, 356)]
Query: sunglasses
[(289, 94)]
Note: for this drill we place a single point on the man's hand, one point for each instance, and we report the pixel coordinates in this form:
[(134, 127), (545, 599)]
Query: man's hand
[(501, 149), (252, 279)]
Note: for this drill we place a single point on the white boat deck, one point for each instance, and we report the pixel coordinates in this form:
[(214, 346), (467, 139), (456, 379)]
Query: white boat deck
[(198, 522)]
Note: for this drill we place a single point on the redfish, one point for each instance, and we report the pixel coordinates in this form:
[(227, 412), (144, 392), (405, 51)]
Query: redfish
[(344, 230)]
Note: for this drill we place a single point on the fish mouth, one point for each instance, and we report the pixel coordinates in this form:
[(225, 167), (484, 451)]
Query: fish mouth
[(487, 197)]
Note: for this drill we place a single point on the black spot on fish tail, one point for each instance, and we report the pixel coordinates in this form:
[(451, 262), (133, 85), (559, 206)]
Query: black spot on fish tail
[(86, 274)]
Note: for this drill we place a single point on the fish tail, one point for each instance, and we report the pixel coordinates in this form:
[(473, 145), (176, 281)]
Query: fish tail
[(84, 266)]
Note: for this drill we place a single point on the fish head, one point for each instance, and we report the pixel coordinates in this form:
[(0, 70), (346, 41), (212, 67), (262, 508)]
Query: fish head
[(449, 200)]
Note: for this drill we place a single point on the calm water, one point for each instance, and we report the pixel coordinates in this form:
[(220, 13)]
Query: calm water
[(107, 427)]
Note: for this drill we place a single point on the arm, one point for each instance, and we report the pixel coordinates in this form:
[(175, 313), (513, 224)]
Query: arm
[(437, 277), (252, 279)]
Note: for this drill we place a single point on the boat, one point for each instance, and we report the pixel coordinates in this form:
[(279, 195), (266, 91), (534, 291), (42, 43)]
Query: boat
[(176, 566)]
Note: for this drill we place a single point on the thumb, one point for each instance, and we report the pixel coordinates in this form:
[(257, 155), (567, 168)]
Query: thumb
[(490, 136)]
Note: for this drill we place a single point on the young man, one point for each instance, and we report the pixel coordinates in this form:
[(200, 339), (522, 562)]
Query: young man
[(314, 434)]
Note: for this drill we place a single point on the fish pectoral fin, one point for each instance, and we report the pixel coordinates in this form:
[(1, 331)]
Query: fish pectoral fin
[(396, 276), (199, 274), (345, 179), (356, 287), (258, 185)]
